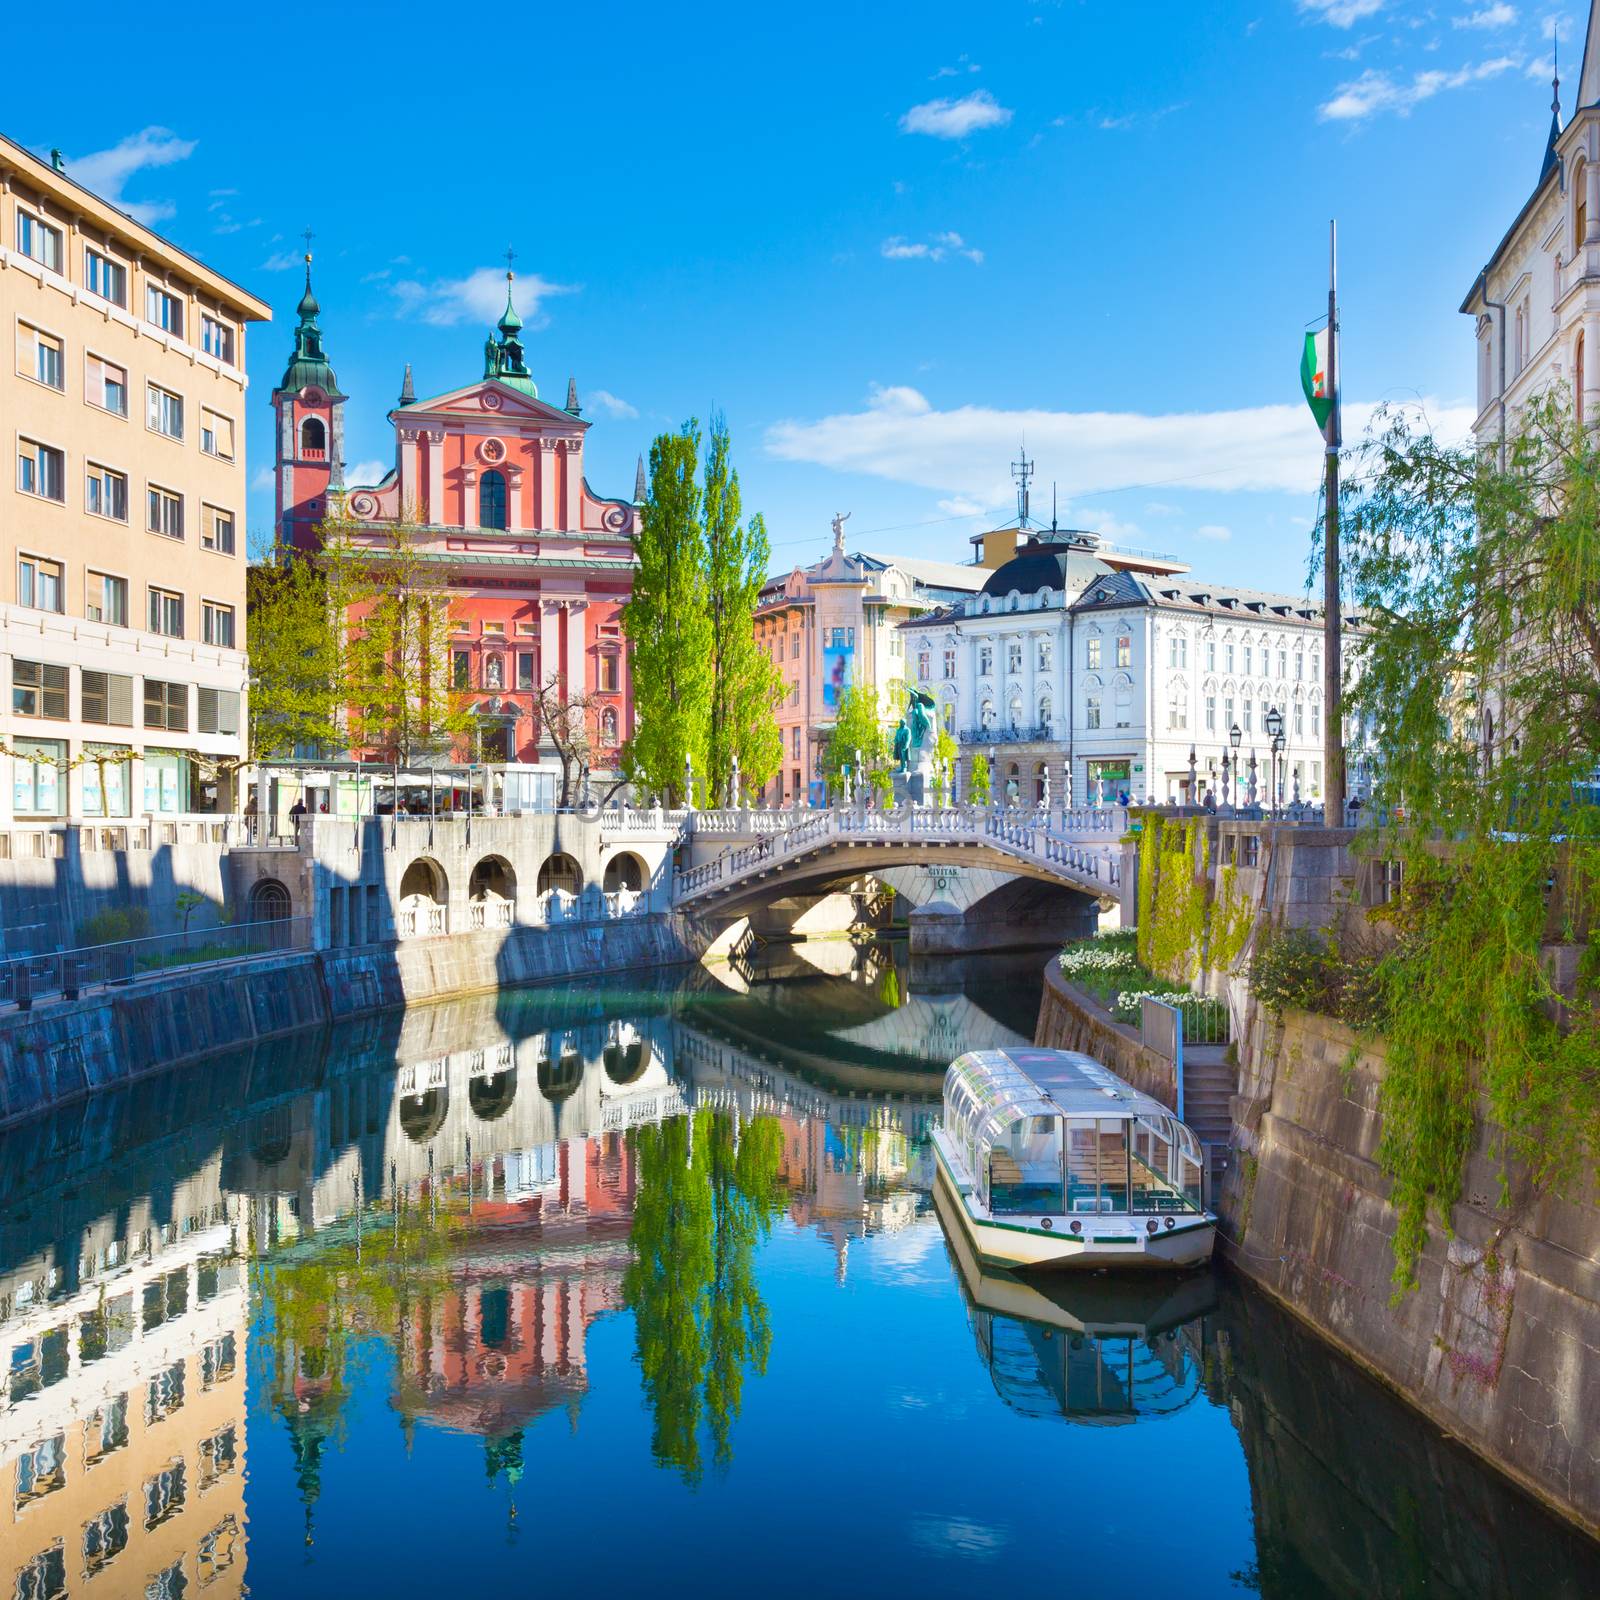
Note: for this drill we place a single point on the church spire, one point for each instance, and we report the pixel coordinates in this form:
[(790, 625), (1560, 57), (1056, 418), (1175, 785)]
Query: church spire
[(640, 492), (1550, 157), (408, 390), (503, 358), (572, 398), (309, 363)]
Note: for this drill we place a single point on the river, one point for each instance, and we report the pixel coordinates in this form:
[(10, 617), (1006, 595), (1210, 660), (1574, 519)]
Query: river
[(641, 1285)]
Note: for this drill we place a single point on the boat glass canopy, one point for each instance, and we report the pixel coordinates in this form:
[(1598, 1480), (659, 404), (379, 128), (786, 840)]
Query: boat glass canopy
[(1053, 1132)]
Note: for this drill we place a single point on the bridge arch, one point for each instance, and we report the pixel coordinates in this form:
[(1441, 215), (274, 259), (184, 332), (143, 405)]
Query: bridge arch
[(495, 876), (269, 901), (560, 874), (560, 1071), (490, 1096), (425, 879), (624, 870), (422, 1115)]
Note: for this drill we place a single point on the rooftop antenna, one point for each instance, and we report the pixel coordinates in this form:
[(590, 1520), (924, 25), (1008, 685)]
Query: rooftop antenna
[(1555, 69), (308, 236), (511, 255), (1022, 471), (1052, 505)]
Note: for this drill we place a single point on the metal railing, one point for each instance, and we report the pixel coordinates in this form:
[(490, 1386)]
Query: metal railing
[(1018, 832), (69, 973)]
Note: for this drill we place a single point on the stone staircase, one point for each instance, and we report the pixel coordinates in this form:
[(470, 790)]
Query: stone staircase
[(1208, 1089)]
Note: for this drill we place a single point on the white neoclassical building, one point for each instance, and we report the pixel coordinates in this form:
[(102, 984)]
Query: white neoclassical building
[(1536, 301), (1105, 669)]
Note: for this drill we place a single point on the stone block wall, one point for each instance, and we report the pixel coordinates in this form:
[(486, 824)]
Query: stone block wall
[(1069, 1019), (1500, 1341)]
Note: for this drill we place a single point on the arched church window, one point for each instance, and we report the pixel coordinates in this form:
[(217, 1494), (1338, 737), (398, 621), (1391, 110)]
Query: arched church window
[(313, 436), (492, 499)]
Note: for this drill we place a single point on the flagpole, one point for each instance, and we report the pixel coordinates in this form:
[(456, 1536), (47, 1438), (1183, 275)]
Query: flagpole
[(1332, 673)]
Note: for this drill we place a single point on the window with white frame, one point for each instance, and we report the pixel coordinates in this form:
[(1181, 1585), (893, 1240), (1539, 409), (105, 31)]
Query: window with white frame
[(107, 698), (164, 411), (40, 356), (1091, 653), (165, 512), (106, 599), (216, 711), (1299, 718), (1178, 712), (1122, 705), (1316, 666), (986, 661), (166, 705), (1227, 714), (216, 627), (105, 384), (1046, 655), (1246, 668), (950, 663), (216, 530), (1211, 713), (216, 434), (105, 492), (105, 277), (216, 338), (1124, 650), (1014, 656), (37, 240), (1091, 711), (1283, 664), (922, 666), (165, 310), (1299, 666), (39, 583), (1178, 651), (1316, 720), (1227, 658), (166, 613), (41, 470), (1245, 712)]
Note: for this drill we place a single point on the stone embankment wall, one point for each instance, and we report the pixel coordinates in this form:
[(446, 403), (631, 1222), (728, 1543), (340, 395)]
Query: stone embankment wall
[(1500, 1341), (64, 1050)]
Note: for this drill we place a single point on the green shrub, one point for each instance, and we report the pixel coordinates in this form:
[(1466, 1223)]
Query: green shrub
[(1294, 969), (113, 924)]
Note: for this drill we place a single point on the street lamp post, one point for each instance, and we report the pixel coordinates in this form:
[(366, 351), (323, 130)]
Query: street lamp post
[(1235, 739), (1275, 734)]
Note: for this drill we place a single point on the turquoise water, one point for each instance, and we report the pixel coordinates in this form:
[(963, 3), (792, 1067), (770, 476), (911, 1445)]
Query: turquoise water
[(643, 1286)]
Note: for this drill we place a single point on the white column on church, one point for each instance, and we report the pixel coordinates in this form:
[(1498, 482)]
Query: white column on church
[(572, 518), (436, 503), (577, 611), (547, 485), (410, 492), (513, 499)]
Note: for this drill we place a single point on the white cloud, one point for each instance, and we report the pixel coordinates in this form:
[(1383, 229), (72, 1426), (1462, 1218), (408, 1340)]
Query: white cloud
[(1213, 530), (961, 506), (479, 297), (899, 436), (263, 479), (108, 171), (1341, 13), (935, 248), (1375, 92), (610, 405), (365, 472), (281, 261), (963, 65), (1159, 508), (1495, 16), (955, 119)]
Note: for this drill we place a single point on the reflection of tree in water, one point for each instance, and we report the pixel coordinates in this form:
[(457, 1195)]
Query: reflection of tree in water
[(324, 1298), (708, 1191)]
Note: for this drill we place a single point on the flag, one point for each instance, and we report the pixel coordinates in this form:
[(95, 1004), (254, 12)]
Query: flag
[(1314, 378)]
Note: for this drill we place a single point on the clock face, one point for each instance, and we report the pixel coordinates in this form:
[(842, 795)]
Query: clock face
[(493, 451), (311, 395)]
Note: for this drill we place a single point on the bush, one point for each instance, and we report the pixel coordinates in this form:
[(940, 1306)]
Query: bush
[(1294, 968), (113, 924)]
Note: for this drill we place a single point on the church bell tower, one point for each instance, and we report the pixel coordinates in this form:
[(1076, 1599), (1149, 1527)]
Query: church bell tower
[(309, 465)]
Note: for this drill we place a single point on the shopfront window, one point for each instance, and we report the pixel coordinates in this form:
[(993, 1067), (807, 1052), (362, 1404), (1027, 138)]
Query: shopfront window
[(166, 781), (107, 780), (38, 770)]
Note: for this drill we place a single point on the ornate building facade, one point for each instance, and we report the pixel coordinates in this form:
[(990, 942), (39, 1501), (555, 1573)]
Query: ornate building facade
[(491, 478)]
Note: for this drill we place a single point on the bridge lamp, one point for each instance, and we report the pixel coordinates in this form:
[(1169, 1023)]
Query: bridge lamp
[(1235, 738)]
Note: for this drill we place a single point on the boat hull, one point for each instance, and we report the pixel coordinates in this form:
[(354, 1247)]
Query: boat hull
[(1025, 1247)]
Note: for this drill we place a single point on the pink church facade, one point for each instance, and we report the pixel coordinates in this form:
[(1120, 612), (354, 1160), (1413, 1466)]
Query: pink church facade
[(539, 565)]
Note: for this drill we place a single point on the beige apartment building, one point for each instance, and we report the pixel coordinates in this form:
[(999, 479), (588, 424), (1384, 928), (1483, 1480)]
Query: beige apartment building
[(122, 557)]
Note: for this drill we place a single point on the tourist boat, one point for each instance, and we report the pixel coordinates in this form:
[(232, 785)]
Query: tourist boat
[(1054, 1162)]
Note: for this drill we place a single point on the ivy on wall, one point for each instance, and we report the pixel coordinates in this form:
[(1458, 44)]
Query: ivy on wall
[(1186, 926)]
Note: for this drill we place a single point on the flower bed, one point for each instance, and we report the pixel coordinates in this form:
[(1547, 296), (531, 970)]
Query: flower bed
[(1108, 968)]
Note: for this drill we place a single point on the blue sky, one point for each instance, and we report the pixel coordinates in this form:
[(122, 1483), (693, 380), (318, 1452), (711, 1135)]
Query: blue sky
[(890, 241)]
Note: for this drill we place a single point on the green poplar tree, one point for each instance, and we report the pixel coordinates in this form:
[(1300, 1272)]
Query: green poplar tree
[(668, 622), (295, 658), (978, 781), (858, 727), (745, 684)]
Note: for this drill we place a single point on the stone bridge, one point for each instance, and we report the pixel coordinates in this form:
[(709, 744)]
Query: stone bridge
[(973, 876)]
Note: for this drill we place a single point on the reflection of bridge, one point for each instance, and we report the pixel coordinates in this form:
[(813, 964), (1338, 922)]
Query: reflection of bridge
[(741, 861)]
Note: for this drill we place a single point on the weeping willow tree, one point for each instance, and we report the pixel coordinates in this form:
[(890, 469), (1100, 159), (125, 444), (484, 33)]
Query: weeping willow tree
[(1480, 690)]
